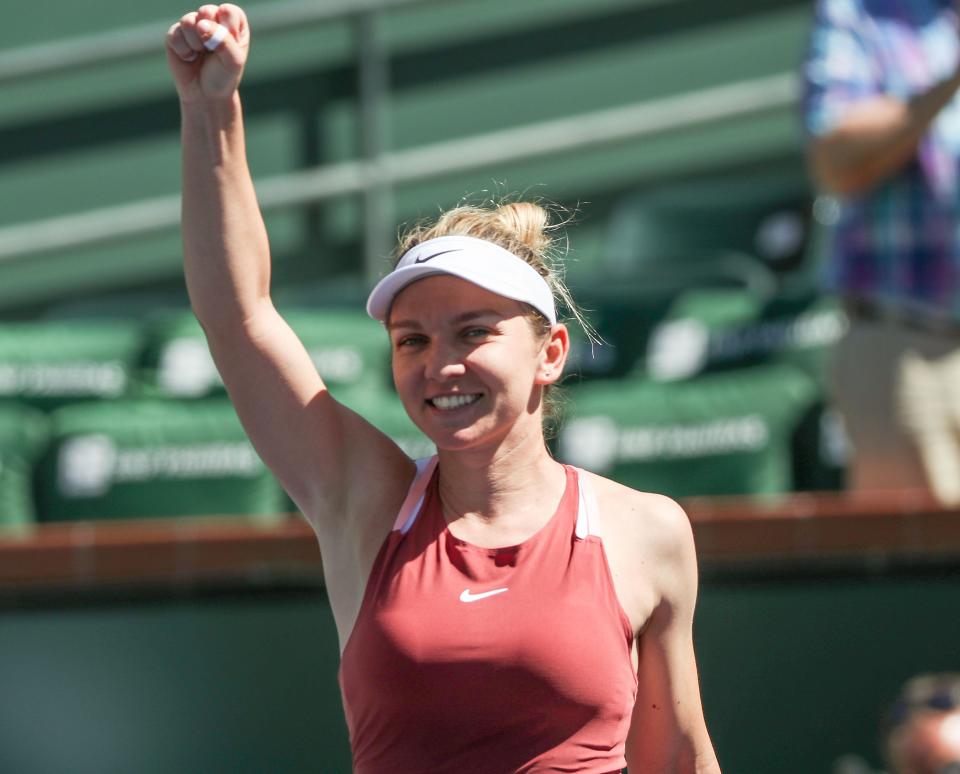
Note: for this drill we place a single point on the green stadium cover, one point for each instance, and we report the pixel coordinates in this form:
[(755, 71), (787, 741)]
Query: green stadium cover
[(132, 459), (709, 329), (624, 314), (761, 215), (676, 335), (23, 435), (722, 433), (347, 347), (721, 248), (48, 364), (712, 329)]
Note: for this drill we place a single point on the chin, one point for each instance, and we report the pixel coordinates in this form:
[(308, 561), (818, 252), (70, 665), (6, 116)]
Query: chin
[(458, 439), (482, 431)]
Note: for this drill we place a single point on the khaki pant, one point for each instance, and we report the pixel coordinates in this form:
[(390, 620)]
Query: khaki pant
[(898, 389)]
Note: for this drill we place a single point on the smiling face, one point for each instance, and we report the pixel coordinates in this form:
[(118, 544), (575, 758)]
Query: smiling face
[(467, 364)]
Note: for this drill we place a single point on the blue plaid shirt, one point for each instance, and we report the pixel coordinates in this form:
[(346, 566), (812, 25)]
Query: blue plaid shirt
[(900, 242)]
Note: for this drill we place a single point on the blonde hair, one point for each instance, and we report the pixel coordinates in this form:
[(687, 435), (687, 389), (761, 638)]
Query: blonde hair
[(526, 230)]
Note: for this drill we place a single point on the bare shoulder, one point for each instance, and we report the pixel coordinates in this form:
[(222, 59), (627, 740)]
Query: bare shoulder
[(649, 546), (646, 520)]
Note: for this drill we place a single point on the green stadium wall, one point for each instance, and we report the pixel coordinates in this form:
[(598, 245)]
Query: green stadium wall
[(795, 671)]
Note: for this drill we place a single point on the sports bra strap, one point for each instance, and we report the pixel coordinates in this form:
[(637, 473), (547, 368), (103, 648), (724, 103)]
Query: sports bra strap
[(588, 512), (414, 499)]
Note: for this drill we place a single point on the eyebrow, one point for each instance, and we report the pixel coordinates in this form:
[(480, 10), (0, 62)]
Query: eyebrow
[(459, 319)]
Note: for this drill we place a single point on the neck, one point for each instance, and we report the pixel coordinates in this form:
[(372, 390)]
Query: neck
[(511, 489)]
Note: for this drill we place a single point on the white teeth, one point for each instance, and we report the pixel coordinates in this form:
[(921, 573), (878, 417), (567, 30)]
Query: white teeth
[(447, 402)]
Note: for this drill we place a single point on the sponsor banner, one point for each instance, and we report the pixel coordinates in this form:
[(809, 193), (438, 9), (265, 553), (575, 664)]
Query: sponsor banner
[(90, 465), (68, 379), (599, 443), (681, 348), (346, 349)]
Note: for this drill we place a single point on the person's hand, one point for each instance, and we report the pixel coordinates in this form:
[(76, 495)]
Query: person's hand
[(206, 52)]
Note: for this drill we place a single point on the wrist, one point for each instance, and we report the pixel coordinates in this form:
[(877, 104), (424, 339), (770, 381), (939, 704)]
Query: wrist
[(217, 110), (215, 126)]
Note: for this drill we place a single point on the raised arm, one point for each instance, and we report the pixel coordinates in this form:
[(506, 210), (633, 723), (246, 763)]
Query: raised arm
[(340, 470), (668, 734), (859, 132), (876, 139)]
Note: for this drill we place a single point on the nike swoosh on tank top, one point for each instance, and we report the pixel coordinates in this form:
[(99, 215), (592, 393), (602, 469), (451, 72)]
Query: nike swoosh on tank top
[(472, 660)]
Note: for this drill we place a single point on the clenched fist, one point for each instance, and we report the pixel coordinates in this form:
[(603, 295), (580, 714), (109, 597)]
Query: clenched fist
[(207, 50)]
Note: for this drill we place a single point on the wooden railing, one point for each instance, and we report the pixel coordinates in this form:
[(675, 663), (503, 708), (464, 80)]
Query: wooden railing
[(797, 531)]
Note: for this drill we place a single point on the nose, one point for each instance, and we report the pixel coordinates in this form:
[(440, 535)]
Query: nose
[(443, 362)]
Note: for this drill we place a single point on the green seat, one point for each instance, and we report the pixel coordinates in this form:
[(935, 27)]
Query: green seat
[(347, 347), (680, 335), (712, 329), (721, 433), (49, 364), (702, 225), (135, 459), (624, 315), (742, 235), (23, 435)]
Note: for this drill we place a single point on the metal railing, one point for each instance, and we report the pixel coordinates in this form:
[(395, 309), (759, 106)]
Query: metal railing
[(62, 56), (376, 172), (69, 55)]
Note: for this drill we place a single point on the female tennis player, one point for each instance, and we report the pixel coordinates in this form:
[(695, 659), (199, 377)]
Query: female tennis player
[(497, 611)]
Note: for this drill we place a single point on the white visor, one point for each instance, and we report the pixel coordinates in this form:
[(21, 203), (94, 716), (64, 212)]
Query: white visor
[(474, 260)]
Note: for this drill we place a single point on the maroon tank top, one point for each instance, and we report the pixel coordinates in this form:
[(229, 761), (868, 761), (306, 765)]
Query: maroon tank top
[(488, 661)]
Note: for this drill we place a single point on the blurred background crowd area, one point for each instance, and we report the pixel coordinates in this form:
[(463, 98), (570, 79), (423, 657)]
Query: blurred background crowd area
[(668, 132), (665, 131)]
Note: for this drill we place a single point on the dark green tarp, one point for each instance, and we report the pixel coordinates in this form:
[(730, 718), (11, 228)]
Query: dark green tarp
[(347, 347), (48, 364), (131, 459), (722, 433), (23, 434)]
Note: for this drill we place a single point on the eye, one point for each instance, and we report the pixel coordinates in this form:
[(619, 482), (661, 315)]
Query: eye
[(475, 333), (409, 340)]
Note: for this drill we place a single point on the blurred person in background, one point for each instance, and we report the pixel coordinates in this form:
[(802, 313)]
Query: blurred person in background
[(923, 726), (497, 611), (882, 118)]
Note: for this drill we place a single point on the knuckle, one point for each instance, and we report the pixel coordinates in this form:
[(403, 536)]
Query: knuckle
[(232, 10)]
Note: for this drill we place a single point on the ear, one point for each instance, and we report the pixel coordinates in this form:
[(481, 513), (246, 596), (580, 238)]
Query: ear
[(553, 355)]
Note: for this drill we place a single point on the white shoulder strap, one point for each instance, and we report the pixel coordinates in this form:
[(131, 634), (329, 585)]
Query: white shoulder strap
[(414, 499), (588, 512)]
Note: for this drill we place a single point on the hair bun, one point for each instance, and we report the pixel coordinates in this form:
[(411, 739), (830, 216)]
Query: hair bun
[(522, 227), (527, 224)]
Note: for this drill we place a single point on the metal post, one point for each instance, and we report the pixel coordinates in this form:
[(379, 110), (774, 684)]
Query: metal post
[(373, 64)]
